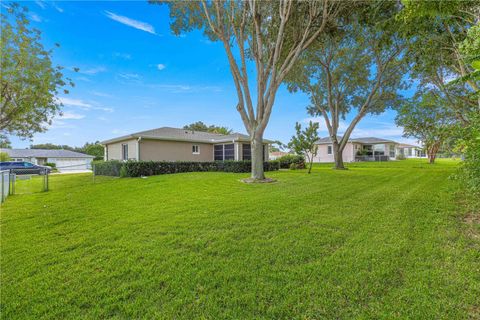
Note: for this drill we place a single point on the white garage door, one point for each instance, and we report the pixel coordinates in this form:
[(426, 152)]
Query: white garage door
[(71, 164)]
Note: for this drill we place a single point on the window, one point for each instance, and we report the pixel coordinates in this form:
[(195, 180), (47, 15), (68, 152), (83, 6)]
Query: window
[(195, 149), (229, 150), (17, 160), (368, 149), (27, 164), (329, 149), (392, 151), (379, 149), (223, 152), (124, 151), (246, 151), (218, 152)]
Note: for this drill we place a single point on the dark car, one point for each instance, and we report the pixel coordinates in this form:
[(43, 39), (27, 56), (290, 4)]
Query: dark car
[(24, 168)]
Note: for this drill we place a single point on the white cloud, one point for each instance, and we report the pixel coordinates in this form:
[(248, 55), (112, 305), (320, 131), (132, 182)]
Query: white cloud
[(94, 70), (101, 94), (393, 131), (106, 109), (131, 22), (129, 76), (102, 119), (35, 17), (74, 103), (71, 115), (161, 66), (40, 4), (57, 7), (125, 56), (84, 79)]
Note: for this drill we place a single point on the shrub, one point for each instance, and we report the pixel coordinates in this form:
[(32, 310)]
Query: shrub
[(293, 166), (51, 164), (150, 168), (288, 159), (400, 156), (4, 156), (107, 168)]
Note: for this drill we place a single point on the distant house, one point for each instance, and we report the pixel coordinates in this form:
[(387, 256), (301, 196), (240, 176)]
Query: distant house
[(65, 160), (277, 154), (411, 151), (173, 144), (358, 149)]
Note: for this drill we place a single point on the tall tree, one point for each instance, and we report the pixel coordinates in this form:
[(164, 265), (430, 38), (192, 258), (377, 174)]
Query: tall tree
[(437, 31), (304, 142), (94, 149), (357, 71), (425, 119), (272, 34), (29, 82)]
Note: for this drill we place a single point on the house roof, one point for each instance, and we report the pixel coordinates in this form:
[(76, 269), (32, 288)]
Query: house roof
[(364, 140), (44, 153), (176, 134)]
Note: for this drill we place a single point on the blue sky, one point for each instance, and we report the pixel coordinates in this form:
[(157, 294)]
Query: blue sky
[(136, 75)]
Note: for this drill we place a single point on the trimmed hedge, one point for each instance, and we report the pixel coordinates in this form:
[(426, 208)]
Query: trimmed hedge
[(107, 168), (151, 168), (289, 159)]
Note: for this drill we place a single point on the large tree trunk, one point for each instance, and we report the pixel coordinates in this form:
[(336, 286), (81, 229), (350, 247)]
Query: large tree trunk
[(257, 157), (432, 152), (338, 156)]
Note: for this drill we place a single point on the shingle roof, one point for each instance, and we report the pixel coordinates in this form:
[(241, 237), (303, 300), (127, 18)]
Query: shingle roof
[(365, 140), (44, 153), (176, 134)]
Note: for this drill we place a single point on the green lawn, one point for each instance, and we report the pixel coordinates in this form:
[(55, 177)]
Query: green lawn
[(381, 240)]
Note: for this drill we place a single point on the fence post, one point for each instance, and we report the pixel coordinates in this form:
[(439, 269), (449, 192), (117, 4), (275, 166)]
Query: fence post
[(93, 171), (12, 179), (46, 180), (3, 197)]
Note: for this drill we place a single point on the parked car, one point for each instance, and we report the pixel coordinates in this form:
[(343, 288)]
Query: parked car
[(24, 168)]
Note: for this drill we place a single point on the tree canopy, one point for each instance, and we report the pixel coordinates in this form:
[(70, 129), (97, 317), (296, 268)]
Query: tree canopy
[(29, 81), (424, 118), (200, 126), (358, 70), (271, 34)]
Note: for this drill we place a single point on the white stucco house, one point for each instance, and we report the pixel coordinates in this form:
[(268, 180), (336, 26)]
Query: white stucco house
[(65, 160), (411, 151), (358, 149)]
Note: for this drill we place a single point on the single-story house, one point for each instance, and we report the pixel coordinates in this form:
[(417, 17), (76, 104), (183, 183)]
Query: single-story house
[(411, 151), (65, 160), (358, 149), (173, 144)]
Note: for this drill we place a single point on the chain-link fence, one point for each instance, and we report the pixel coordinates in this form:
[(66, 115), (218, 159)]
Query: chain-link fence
[(22, 181)]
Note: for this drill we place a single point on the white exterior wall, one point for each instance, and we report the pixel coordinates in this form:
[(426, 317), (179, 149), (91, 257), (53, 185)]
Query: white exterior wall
[(323, 156)]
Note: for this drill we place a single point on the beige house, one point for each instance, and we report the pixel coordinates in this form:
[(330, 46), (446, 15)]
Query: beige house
[(358, 149), (173, 144)]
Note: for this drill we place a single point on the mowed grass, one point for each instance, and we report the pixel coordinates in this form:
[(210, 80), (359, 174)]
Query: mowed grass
[(381, 240)]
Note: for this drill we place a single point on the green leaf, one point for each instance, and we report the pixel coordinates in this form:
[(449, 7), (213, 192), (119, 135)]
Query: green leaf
[(476, 64)]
